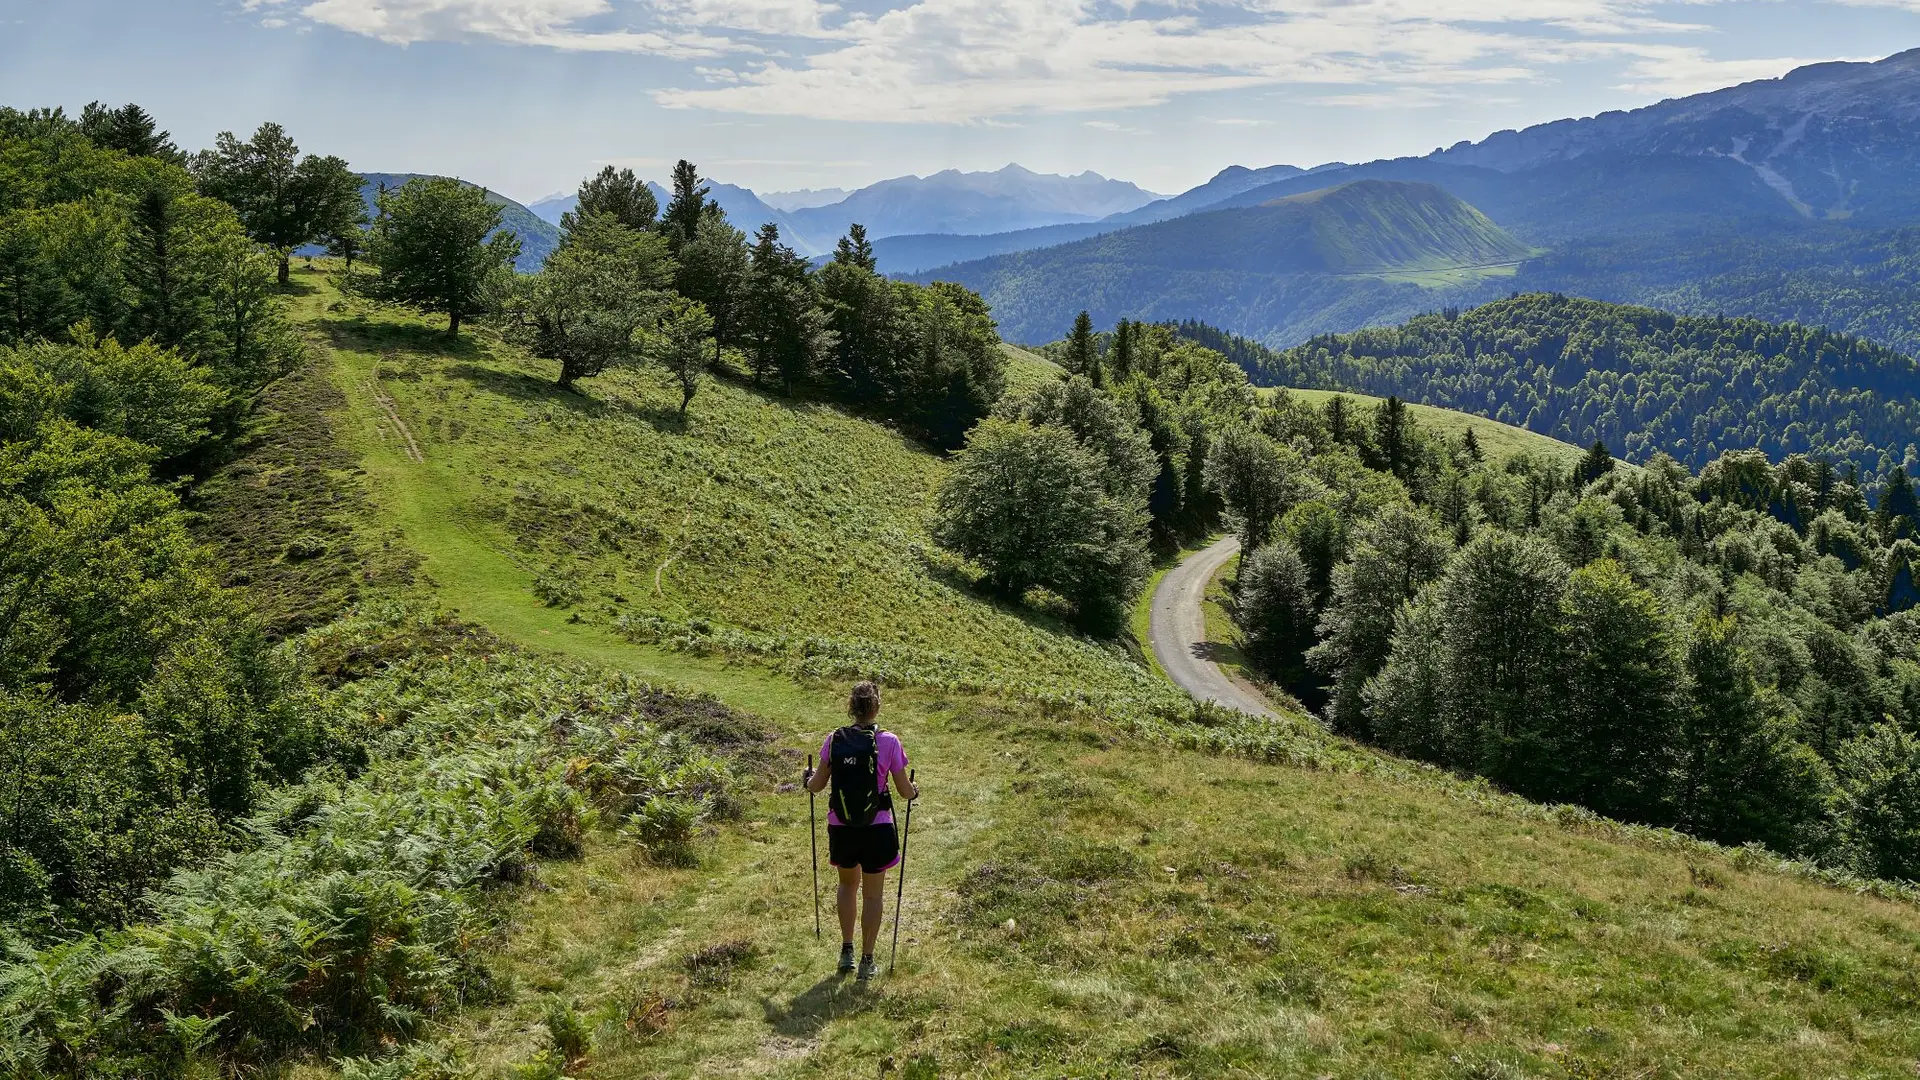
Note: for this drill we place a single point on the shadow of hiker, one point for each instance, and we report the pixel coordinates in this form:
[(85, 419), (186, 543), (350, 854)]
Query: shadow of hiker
[(829, 999)]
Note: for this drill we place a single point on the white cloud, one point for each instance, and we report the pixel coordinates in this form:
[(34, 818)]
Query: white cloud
[(1677, 71), (990, 61), (554, 24)]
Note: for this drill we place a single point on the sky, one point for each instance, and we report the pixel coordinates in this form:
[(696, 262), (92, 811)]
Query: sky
[(528, 96)]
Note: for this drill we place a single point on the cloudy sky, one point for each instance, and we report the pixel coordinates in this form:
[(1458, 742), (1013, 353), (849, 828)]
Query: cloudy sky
[(528, 95)]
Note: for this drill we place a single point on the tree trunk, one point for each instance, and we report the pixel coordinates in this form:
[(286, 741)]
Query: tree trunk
[(453, 323), (285, 267)]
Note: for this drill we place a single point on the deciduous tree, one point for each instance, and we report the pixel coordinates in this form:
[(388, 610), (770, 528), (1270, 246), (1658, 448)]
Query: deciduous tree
[(431, 243)]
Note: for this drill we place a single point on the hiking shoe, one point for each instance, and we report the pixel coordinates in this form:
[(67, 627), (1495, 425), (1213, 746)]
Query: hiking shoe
[(867, 968), (846, 959)]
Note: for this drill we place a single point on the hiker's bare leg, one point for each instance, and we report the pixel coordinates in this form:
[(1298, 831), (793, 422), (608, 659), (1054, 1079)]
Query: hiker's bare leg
[(849, 888), (874, 888)]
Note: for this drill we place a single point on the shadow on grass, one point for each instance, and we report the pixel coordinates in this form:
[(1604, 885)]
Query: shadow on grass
[(532, 389), (1038, 609), (361, 334), (829, 999)]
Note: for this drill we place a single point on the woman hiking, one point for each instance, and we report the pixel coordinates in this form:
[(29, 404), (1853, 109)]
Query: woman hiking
[(858, 761)]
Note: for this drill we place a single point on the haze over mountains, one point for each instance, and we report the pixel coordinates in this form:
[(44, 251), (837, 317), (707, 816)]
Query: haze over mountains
[(1781, 199), (949, 202)]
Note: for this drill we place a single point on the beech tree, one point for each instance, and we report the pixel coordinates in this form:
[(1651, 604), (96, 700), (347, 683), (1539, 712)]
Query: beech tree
[(431, 242), (595, 302), (283, 199), (1247, 471), (1030, 505), (683, 346)]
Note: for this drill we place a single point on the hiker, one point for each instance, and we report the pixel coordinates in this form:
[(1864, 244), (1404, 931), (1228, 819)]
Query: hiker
[(858, 761)]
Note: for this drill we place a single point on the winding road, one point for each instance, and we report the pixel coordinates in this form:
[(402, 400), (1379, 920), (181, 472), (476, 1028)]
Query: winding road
[(1178, 629)]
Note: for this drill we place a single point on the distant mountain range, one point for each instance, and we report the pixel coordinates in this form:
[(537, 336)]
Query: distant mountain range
[(947, 203), (1367, 249), (1789, 198), (803, 198)]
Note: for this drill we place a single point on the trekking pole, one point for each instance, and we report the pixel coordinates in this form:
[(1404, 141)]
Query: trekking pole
[(900, 885), (813, 842)]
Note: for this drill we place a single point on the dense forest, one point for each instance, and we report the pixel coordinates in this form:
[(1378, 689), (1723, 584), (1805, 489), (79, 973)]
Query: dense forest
[(1639, 380)]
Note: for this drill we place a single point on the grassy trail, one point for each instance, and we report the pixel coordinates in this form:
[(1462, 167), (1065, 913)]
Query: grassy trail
[(1081, 905)]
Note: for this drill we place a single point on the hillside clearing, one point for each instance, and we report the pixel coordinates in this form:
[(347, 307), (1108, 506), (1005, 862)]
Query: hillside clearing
[(1496, 439)]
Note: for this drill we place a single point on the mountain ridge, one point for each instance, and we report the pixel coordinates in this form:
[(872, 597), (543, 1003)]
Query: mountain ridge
[(1383, 240)]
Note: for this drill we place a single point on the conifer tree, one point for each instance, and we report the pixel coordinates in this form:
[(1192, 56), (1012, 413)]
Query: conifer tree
[(1899, 512), (1470, 445), (869, 316), (680, 222), (1597, 463), (129, 129), (1082, 354), (786, 333), (1123, 350), (1391, 438), (619, 194), (714, 269), (854, 249), (1339, 419)]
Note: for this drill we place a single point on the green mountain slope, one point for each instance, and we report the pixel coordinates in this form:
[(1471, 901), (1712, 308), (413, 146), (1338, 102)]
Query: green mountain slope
[(1316, 261), (1640, 380), (1353, 916), (538, 237)]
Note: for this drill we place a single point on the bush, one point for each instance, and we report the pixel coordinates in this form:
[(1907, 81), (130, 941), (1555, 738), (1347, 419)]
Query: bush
[(349, 919)]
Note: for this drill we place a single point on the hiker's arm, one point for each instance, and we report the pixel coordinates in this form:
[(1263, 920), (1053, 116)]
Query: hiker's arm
[(904, 785), (817, 779)]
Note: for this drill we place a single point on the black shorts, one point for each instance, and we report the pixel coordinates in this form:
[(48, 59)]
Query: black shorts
[(872, 848)]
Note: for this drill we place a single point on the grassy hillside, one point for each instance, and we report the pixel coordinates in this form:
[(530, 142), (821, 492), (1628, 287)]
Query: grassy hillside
[(1497, 439), (1079, 902), (1310, 263)]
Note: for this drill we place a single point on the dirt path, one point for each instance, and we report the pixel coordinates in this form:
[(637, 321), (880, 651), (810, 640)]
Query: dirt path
[(1179, 631)]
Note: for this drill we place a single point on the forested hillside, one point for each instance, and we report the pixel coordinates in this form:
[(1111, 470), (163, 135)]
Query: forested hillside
[(1639, 380), (1312, 262)]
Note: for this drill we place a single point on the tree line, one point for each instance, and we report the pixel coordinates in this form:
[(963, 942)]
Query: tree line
[(1641, 381), (1731, 652)]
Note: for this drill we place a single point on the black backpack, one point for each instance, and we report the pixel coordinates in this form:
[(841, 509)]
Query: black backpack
[(853, 756)]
